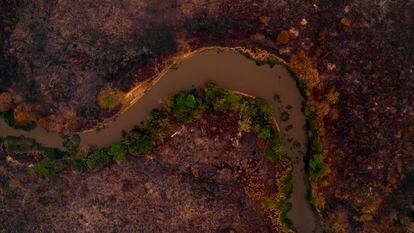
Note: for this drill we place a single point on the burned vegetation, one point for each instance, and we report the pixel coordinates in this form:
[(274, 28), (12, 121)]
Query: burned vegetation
[(207, 154), (56, 58)]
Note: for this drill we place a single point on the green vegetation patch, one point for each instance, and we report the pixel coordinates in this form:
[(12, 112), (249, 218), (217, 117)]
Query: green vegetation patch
[(185, 100), (93, 161), (316, 165), (265, 133), (48, 167), (140, 145), (283, 206), (71, 142), (288, 184), (97, 159), (256, 115), (315, 162), (117, 152), (23, 144), (110, 98), (276, 151), (9, 119)]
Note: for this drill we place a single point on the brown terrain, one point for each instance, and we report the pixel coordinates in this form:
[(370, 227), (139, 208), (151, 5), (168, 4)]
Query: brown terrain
[(205, 177), (57, 56)]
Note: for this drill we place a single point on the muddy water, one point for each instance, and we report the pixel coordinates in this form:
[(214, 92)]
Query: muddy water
[(229, 70)]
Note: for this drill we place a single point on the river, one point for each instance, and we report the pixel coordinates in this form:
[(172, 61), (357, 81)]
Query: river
[(229, 70)]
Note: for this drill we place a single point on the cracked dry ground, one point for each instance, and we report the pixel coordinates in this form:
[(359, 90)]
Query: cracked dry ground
[(56, 56), (203, 179)]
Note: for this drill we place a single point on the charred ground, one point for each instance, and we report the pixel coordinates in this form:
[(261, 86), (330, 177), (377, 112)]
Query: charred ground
[(363, 50), (206, 178)]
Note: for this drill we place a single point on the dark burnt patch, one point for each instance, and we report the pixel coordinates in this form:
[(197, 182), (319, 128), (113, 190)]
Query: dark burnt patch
[(362, 49)]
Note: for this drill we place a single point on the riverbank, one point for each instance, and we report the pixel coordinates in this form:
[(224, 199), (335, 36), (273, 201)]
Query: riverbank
[(231, 71), (198, 125), (57, 62)]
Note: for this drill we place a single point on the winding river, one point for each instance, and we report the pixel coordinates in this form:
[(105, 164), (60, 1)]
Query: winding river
[(229, 70)]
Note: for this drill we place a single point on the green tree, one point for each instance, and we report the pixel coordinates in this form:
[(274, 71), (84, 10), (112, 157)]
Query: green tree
[(98, 159), (48, 167), (233, 101), (264, 133), (141, 146), (211, 93), (157, 124), (185, 100), (79, 164), (317, 167), (117, 151)]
